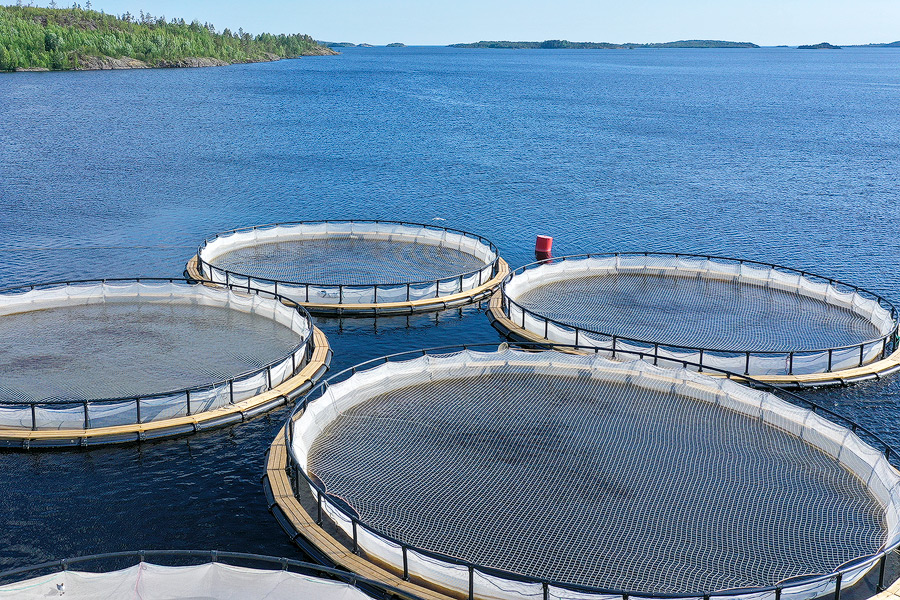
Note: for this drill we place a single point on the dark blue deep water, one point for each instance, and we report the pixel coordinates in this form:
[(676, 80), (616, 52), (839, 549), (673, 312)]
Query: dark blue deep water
[(773, 154)]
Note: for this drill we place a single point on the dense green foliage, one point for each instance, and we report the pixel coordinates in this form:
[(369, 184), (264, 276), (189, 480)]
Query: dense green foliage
[(565, 44), (32, 37)]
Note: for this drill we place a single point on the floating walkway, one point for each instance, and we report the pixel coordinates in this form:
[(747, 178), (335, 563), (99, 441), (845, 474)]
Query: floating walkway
[(444, 544)]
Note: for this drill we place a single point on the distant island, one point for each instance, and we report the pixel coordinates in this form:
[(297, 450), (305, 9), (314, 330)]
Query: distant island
[(566, 45), (888, 45), (345, 45), (822, 46), (396, 45), (44, 39)]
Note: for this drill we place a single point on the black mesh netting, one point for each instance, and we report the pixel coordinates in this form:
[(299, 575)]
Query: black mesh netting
[(594, 483), (698, 312), (348, 261)]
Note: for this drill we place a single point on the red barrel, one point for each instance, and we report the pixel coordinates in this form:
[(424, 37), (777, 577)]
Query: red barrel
[(544, 243), (543, 247)]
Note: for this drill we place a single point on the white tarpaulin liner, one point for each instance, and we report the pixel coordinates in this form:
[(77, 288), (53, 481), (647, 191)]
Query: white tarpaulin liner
[(212, 581)]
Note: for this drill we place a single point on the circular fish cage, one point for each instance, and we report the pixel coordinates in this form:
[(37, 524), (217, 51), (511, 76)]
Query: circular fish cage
[(763, 320), (96, 362), (519, 474), (355, 267), (168, 574)]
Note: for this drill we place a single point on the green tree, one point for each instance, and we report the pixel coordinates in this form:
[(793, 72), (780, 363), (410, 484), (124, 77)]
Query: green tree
[(4, 59), (52, 41)]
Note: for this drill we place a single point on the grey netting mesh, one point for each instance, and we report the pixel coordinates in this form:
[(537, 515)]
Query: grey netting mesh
[(65, 344), (119, 350), (350, 262), (697, 312), (586, 471), (786, 320)]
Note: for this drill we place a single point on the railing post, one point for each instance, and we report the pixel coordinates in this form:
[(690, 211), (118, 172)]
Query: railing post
[(700, 363), (862, 348), (837, 586), (231, 390), (881, 566), (318, 507), (747, 365), (471, 582), (546, 590), (547, 329), (613, 346), (137, 404), (830, 352), (791, 363), (87, 422), (307, 292), (269, 376), (33, 417), (187, 393), (407, 292), (355, 541), (655, 354)]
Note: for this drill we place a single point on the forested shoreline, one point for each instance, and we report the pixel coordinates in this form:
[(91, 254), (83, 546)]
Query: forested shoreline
[(34, 38)]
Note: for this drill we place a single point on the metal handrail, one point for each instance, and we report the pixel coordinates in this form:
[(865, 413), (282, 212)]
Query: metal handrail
[(340, 287), (880, 557), (888, 341), (308, 342), (215, 556)]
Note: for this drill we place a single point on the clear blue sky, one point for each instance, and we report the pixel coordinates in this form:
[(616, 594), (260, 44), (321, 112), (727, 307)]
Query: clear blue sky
[(765, 22)]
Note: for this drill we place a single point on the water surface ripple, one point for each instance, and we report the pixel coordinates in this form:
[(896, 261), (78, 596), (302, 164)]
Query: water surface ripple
[(771, 154)]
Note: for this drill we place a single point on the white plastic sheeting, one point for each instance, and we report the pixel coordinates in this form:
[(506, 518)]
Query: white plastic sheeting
[(311, 292), (165, 405), (802, 361), (882, 481), (212, 581)]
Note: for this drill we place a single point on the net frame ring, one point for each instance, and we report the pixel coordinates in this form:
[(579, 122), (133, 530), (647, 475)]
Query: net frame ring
[(798, 367), (163, 413), (390, 297), (446, 576)]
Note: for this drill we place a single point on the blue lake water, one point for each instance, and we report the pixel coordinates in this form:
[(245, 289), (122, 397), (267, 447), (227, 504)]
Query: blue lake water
[(772, 154)]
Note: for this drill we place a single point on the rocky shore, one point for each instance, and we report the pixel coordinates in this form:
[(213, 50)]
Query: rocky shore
[(105, 63)]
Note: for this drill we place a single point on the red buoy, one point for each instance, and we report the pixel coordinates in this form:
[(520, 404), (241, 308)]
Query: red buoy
[(543, 247)]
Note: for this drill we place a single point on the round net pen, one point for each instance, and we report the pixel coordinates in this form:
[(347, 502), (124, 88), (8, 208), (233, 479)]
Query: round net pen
[(189, 574), (355, 267), (99, 362), (766, 321), (513, 475)]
